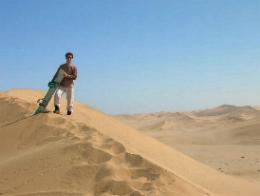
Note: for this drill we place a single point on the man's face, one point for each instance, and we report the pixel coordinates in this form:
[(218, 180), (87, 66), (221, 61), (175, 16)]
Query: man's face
[(69, 59)]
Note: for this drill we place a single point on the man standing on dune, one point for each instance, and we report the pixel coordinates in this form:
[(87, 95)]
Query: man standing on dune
[(66, 85)]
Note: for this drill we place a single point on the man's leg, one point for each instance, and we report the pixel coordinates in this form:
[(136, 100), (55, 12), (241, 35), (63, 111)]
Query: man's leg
[(70, 99), (57, 98)]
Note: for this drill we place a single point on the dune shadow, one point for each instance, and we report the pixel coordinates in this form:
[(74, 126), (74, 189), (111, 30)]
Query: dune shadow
[(17, 120)]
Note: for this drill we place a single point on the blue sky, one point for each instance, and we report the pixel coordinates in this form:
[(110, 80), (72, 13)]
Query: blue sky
[(136, 55)]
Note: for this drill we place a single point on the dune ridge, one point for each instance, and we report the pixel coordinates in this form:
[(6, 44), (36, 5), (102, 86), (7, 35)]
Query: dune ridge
[(91, 153)]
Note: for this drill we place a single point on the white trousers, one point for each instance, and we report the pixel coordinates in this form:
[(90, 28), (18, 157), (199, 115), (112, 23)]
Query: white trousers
[(69, 91)]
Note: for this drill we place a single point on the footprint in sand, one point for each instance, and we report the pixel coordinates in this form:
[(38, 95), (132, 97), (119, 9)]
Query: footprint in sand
[(149, 173), (133, 160), (113, 186), (88, 152), (112, 146)]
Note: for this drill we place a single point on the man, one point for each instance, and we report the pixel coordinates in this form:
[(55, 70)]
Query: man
[(66, 85)]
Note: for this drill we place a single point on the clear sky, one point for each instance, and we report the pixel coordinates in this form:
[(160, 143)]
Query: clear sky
[(136, 55)]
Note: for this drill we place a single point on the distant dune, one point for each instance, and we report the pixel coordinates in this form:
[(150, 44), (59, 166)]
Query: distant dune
[(226, 137), (90, 153), (227, 109)]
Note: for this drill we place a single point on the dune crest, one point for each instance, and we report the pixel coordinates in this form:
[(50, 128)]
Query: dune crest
[(91, 153)]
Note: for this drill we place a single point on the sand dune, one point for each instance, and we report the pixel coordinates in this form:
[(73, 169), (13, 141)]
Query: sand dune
[(226, 138), (90, 153), (227, 109)]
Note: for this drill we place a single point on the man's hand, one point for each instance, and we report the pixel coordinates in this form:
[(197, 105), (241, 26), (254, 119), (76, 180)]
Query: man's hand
[(67, 75)]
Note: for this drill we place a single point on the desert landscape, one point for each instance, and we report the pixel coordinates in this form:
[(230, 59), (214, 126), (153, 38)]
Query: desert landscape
[(91, 153), (226, 137), (129, 98)]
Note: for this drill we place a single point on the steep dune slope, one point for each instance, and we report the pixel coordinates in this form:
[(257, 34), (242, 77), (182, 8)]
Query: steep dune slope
[(91, 153)]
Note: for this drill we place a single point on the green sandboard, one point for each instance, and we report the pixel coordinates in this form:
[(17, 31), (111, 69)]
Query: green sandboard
[(43, 103)]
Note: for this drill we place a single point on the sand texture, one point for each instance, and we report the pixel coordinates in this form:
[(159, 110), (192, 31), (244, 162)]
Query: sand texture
[(90, 153)]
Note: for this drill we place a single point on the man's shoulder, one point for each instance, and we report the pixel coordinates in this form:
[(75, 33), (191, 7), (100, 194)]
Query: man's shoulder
[(74, 66)]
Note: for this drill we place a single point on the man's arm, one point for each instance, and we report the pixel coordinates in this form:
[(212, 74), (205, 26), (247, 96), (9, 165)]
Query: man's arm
[(72, 76)]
